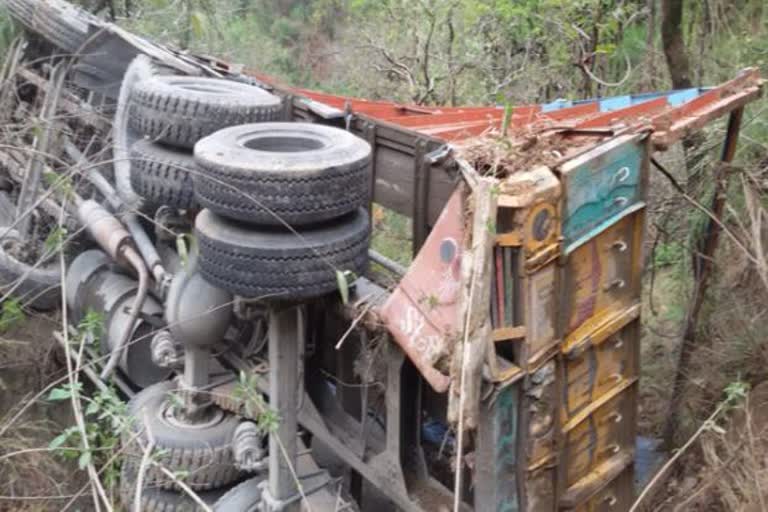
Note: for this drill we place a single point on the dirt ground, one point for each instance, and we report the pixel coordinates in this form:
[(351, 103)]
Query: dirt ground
[(32, 478)]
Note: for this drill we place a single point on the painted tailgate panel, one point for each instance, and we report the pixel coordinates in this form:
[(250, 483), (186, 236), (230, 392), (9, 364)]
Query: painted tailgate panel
[(602, 276), (617, 496), (597, 435), (601, 184), (592, 372), (422, 313)]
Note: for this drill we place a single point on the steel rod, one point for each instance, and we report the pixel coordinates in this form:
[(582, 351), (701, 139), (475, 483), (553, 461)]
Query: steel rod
[(284, 389)]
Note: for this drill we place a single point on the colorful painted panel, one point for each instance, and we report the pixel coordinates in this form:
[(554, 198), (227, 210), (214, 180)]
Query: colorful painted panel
[(601, 184), (600, 433), (598, 368), (617, 496), (602, 276), (422, 312)]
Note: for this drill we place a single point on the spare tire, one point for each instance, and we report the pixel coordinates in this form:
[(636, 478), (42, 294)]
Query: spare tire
[(277, 263), (37, 286), (163, 175), (180, 110), (278, 173)]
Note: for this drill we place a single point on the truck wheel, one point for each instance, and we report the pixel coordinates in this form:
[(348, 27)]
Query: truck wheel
[(38, 287), (277, 173), (154, 499), (163, 175), (180, 110), (62, 25), (244, 497), (277, 263), (201, 452)]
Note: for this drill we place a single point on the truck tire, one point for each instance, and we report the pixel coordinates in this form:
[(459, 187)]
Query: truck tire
[(202, 452), (180, 110), (244, 497), (277, 263), (278, 173), (38, 287), (154, 499), (62, 25), (163, 175), (124, 137)]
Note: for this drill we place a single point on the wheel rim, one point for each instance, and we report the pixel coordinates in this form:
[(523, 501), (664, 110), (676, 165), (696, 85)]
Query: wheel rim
[(168, 416)]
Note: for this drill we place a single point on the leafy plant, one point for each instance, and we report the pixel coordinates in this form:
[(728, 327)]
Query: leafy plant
[(252, 401), (54, 242), (106, 420), (667, 254), (11, 314)]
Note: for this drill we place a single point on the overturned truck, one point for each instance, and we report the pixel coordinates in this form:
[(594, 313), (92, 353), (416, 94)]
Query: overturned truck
[(219, 223)]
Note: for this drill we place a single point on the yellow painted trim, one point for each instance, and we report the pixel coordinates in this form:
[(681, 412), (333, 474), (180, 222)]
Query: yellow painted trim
[(512, 239), (596, 330), (542, 462), (509, 375), (509, 333), (584, 414), (597, 479)]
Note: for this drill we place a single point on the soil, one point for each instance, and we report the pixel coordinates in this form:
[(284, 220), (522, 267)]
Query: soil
[(29, 362)]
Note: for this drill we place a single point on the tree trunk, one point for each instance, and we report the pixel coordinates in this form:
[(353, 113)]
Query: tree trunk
[(650, 46), (674, 46)]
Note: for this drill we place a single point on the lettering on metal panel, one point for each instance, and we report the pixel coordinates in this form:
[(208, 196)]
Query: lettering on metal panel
[(422, 312)]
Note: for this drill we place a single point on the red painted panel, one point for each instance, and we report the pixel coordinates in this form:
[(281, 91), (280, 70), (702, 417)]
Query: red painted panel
[(422, 312)]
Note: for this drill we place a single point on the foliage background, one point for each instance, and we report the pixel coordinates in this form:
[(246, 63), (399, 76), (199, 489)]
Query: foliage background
[(480, 52)]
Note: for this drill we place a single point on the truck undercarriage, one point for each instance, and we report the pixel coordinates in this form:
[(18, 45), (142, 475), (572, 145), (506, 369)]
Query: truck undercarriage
[(498, 372)]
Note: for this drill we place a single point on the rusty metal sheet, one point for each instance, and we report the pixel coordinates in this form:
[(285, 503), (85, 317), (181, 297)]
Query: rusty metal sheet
[(422, 312), (599, 433), (602, 276), (599, 367)]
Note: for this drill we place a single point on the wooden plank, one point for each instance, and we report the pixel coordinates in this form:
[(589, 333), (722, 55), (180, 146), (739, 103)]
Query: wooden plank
[(509, 333), (509, 239)]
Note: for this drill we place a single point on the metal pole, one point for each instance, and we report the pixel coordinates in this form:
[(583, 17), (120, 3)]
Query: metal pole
[(284, 389)]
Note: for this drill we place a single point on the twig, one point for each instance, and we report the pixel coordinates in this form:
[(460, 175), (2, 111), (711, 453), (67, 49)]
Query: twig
[(662, 472), (460, 427), (98, 488), (145, 460)]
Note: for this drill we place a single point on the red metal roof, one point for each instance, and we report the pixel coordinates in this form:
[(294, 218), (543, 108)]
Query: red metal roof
[(667, 113)]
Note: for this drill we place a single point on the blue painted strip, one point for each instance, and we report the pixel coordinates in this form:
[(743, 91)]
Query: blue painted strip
[(615, 103), (611, 103), (556, 105), (677, 98), (602, 227)]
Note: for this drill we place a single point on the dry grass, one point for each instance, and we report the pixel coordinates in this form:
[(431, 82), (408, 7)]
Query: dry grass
[(32, 478)]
